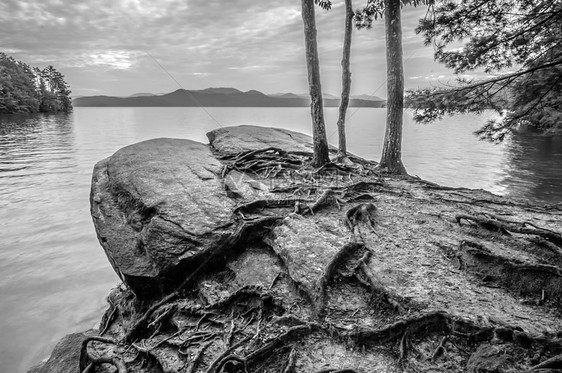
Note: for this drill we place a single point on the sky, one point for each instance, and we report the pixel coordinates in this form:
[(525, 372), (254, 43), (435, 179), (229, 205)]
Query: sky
[(122, 47)]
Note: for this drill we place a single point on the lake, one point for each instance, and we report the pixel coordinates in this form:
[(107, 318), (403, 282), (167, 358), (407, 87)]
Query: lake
[(54, 274)]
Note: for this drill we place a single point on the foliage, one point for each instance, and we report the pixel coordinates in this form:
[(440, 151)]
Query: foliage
[(31, 90), (324, 4), (374, 9), (501, 34)]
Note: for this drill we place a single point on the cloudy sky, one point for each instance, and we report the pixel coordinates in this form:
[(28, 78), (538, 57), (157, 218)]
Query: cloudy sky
[(121, 47)]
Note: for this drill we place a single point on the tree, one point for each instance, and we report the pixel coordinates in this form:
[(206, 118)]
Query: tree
[(391, 158), (59, 88), (501, 34), (346, 77), (320, 156), (30, 90), (17, 88)]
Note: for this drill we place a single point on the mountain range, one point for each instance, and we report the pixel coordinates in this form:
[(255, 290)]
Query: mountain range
[(223, 96)]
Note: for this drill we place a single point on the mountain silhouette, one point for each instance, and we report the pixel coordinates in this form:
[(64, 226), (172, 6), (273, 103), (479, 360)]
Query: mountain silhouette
[(217, 97)]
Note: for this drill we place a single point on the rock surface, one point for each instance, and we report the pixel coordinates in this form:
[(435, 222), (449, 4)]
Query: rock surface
[(345, 269), (161, 205), (489, 359), (65, 358), (233, 140), (158, 206)]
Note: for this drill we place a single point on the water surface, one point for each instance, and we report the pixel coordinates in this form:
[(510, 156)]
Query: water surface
[(53, 273)]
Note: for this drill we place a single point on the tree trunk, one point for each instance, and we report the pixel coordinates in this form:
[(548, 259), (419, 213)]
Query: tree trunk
[(321, 156), (346, 76), (392, 149)]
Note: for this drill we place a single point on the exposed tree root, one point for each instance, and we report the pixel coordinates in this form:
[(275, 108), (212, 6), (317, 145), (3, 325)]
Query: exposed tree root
[(256, 161), (291, 334), (376, 286), (363, 186), (115, 361), (291, 362), (362, 213), (295, 188), (107, 318), (505, 227), (249, 291), (228, 243), (424, 325), (267, 153), (541, 242), (226, 356), (539, 281), (147, 350), (440, 349), (88, 361), (552, 363), (163, 314), (331, 167), (439, 322), (325, 199), (193, 364), (323, 281), (268, 203)]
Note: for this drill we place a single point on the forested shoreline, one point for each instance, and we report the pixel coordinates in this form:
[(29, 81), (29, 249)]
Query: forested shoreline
[(26, 89)]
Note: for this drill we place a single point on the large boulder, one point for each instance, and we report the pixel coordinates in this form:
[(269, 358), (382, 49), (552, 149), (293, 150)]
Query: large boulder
[(159, 206), (233, 140)]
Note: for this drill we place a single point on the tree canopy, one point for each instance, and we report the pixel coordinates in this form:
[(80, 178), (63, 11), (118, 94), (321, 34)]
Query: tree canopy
[(30, 90), (516, 43)]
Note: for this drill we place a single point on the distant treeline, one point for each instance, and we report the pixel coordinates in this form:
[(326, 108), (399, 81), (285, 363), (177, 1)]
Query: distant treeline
[(26, 89)]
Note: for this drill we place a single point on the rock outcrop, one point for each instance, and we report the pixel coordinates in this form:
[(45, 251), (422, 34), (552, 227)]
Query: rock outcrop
[(338, 269), (158, 207), (235, 140), (66, 355)]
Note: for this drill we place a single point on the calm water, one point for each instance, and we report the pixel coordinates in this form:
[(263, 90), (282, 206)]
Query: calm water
[(53, 273)]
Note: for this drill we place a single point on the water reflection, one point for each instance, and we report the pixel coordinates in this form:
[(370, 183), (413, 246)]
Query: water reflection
[(23, 127), (33, 150), (533, 170), (50, 278)]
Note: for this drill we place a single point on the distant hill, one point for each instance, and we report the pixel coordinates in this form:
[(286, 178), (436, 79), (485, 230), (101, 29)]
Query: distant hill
[(142, 94), (329, 96), (221, 90), (286, 95), (368, 97), (227, 97)]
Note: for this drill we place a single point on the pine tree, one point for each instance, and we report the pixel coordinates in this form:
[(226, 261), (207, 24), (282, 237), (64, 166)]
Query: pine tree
[(27, 89), (391, 159), (17, 88), (499, 35), (346, 77), (320, 156), (55, 92)]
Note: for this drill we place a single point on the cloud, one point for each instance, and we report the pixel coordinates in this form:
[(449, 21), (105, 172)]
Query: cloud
[(125, 46), (112, 59)]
